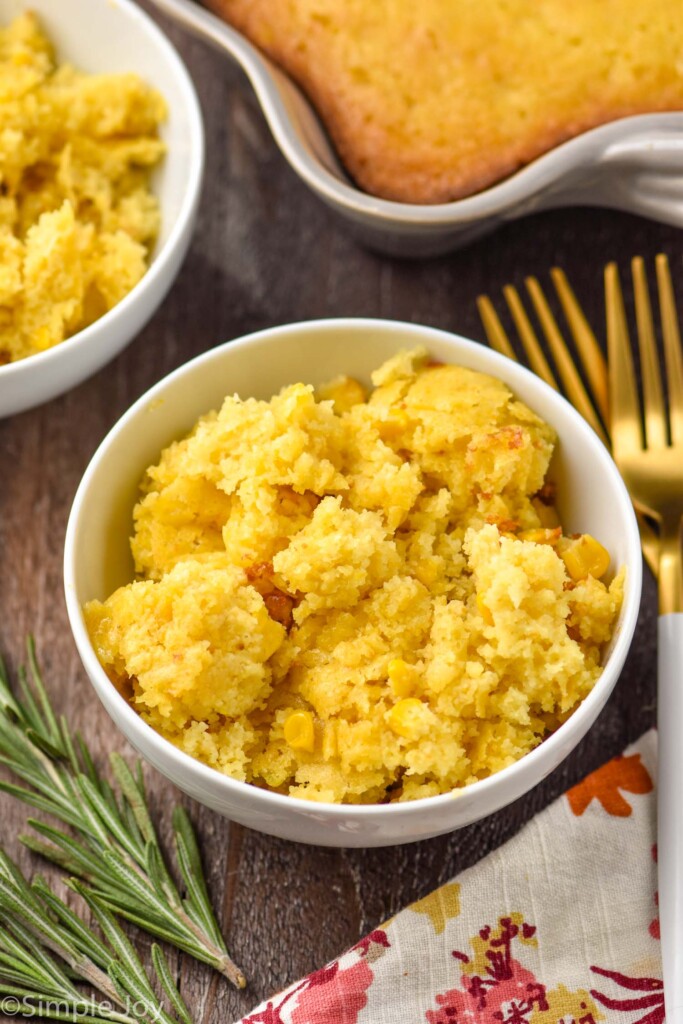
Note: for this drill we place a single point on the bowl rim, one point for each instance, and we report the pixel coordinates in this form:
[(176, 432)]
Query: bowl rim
[(157, 268), (210, 778)]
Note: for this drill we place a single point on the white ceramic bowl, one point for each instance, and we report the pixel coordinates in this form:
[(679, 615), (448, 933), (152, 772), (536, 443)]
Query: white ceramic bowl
[(635, 164), (105, 36), (97, 559)]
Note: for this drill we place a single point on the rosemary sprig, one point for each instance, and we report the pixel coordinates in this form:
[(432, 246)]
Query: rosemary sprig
[(46, 950), (113, 847)]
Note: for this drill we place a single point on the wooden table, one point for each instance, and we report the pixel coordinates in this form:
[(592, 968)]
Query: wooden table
[(267, 252)]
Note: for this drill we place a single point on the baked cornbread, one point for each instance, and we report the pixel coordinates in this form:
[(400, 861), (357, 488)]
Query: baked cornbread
[(358, 597), (77, 217), (431, 101)]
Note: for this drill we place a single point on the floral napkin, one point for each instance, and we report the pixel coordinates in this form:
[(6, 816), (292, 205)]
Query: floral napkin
[(559, 926)]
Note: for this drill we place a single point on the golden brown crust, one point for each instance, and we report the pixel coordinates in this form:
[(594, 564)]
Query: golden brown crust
[(435, 101)]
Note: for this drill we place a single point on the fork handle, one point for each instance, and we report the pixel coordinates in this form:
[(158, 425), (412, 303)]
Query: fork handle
[(670, 810)]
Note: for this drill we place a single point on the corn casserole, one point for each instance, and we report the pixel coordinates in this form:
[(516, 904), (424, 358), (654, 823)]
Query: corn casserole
[(77, 217), (359, 596), (433, 101)]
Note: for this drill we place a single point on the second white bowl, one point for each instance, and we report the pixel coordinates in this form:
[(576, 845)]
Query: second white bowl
[(97, 559), (100, 36)]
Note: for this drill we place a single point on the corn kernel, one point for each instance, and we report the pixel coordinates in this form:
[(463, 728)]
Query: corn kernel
[(484, 610), (403, 719), (401, 677), (393, 425), (547, 514), (299, 731), (584, 557), (549, 517), (542, 535), (345, 392), (427, 572)]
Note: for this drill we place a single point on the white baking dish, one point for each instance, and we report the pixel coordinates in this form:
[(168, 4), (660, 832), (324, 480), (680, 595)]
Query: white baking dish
[(634, 164)]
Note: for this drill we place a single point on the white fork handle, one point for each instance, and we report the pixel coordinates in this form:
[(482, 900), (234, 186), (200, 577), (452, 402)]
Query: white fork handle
[(670, 810)]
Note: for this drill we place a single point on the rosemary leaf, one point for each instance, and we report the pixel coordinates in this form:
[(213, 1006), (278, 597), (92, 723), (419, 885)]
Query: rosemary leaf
[(110, 825), (24, 1005), (48, 716), (38, 740), (68, 745), (197, 896), (164, 975), (10, 974), (144, 1007), (118, 941), (115, 848), (6, 699), (157, 926), (136, 886), (31, 712), (32, 960), (134, 796), (49, 852), (15, 882), (45, 948), (41, 803), (154, 866), (16, 911), (82, 935), (37, 779), (182, 828), (86, 863)]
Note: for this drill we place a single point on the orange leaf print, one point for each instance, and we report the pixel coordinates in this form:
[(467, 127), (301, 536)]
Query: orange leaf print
[(622, 773)]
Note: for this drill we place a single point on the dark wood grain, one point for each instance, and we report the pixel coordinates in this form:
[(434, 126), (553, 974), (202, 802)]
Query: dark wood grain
[(267, 252)]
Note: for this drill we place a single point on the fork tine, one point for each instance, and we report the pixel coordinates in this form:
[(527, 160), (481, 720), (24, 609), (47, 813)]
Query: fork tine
[(672, 347), (498, 339), (527, 335), (653, 396), (573, 385), (495, 332), (623, 396), (586, 343)]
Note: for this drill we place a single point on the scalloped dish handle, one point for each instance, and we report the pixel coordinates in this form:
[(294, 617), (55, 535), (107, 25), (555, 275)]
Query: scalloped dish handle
[(641, 173), (646, 171), (656, 152)]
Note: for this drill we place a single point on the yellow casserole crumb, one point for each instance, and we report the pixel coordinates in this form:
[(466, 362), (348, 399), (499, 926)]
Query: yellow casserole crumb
[(77, 219), (347, 613)]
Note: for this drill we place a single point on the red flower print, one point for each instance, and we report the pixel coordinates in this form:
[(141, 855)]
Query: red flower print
[(323, 976), (605, 784), (378, 937), (337, 1000), (654, 924), (652, 1001), (506, 1002), (269, 1015), (505, 992), (333, 995)]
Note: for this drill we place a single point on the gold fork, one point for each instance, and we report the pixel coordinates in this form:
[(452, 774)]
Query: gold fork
[(591, 402), (651, 461), (649, 453), (648, 448)]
